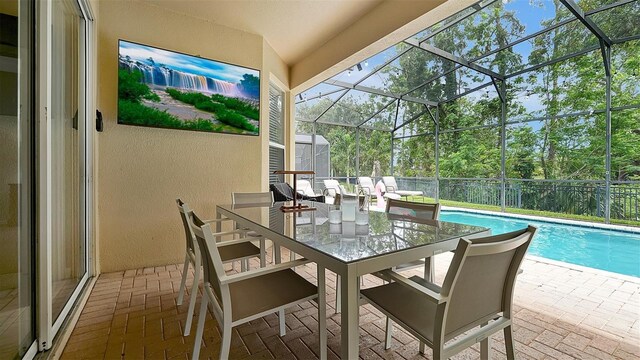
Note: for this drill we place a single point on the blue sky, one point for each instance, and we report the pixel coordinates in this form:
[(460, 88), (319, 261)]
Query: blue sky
[(186, 63), (530, 13)]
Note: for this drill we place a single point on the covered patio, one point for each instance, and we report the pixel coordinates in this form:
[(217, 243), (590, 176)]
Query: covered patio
[(561, 313)]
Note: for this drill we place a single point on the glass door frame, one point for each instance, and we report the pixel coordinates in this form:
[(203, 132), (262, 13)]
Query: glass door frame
[(46, 326)]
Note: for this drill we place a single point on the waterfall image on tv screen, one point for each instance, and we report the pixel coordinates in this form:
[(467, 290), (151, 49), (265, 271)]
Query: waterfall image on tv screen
[(161, 88)]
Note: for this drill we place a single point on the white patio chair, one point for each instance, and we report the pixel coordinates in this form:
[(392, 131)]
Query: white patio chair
[(242, 252), (240, 298), (474, 302), (366, 186), (305, 188), (392, 187), (331, 190)]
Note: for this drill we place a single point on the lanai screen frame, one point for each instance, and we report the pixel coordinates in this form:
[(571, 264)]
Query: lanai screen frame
[(497, 81)]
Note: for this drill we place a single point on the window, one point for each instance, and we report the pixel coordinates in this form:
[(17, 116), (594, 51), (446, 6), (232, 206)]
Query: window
[(276, 133)]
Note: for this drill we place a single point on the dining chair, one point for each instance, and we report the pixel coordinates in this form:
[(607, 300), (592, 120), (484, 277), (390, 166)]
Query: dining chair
[(404, 209), (252, 198), (258, 199), (242, 252), (474, 302), (239, 298)]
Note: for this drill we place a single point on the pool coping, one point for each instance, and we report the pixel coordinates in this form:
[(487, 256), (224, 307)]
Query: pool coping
[(622, 228), (586, 269)]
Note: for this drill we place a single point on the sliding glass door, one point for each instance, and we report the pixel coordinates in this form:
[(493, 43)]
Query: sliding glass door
[(63, 163), (68, 245), (17, 256)]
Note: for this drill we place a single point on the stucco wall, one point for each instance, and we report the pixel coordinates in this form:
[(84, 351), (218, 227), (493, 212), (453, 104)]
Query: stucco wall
[(142, 170)]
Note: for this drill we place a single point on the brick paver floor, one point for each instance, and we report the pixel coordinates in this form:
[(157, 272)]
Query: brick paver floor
[(560, 313)]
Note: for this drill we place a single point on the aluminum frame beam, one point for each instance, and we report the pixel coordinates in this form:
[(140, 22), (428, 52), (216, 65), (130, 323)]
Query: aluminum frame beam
[(319, 96), (477, 7), (587, 22), (378, 92), (553, 61), (330, 106), (412, 119), (453, 58), (377, 112), (479, 87), (378, 68)]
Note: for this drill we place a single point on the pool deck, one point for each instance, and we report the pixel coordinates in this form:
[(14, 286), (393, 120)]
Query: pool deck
[(561, 312)]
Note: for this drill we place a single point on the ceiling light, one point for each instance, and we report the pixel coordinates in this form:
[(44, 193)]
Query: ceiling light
[(366, 63)]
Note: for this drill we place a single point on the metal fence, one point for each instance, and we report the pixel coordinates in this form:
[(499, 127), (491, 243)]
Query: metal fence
[(560, 196)]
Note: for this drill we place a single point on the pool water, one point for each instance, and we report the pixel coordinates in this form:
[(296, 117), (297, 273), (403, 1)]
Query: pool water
[(608, 250)]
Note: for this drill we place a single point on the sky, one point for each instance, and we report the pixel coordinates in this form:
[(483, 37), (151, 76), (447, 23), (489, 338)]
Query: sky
[(186, 63), (530, 13)]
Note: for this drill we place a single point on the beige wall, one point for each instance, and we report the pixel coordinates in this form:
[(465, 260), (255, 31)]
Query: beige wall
[(142, 170)]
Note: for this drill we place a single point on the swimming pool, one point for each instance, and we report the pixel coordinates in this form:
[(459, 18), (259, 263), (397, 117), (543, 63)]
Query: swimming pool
[(603, 249)]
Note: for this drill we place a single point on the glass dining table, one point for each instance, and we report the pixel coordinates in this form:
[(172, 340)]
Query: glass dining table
[(350, 250)]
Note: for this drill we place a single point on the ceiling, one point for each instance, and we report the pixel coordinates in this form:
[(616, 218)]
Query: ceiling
[(294, 28)]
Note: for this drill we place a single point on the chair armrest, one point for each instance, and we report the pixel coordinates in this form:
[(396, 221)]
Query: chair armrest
[(391, 275), (362, 191), (238, 241), (215, 220), (228, 279), (327, 192), (390, 188), (232, 232)]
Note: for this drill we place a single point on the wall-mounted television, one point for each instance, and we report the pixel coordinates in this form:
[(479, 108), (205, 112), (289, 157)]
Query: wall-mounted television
[(167, 89)]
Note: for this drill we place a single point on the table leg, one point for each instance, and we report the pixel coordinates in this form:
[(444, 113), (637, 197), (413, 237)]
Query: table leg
[(350, 299), (428, 269), (218, 223), (277, 256), (322, 312)]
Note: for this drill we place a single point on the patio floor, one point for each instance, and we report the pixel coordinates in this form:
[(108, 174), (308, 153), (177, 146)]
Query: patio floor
[(560, 313)]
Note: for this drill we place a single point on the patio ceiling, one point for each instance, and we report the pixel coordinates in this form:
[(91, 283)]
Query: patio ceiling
[(471, 60)]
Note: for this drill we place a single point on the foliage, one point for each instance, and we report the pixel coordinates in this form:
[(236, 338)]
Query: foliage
[(235, 119), (133, 113), (542, 140), (239, 106), (250, 85), (227, 110), (131, 87)]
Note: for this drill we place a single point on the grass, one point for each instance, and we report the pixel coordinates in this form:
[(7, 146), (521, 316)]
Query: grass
[(547, 214), (229, 111), (134, 113)]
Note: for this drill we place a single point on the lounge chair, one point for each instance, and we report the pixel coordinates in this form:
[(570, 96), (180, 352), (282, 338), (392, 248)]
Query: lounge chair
[(332, 190), (366, 186), (284, 192), (392, 187), (306, 190)]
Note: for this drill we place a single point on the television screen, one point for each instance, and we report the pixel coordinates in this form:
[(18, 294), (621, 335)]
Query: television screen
[(161, 88)]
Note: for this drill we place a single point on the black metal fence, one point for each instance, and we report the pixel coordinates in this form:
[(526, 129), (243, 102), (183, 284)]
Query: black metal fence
[(561, 196)]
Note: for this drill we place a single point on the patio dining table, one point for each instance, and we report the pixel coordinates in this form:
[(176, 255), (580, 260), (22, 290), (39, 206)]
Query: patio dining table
[(350, 250)]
